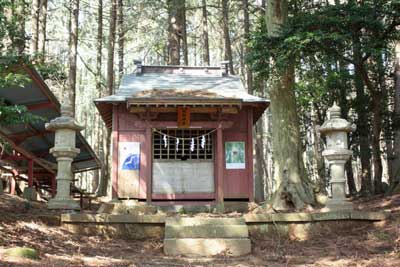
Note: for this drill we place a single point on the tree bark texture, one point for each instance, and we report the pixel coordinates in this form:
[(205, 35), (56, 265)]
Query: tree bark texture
[(42, 29), (18, 37), (227, 38), (294, 189), (206, 46), (111, 46), (362, 124), (175, 30), (395, 163), (34, 26), (98, 181), (72, 59), (121, 32), (246, 24)]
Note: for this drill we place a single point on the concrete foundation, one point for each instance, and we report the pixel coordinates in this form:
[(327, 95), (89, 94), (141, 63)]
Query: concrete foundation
[(295, 226), (206, 236)]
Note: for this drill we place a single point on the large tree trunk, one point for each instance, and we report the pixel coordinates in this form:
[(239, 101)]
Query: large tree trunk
[(246, 22), (206, 47), (395, 163), (227, 38), (34, 26), (120, 40), (294, 189), (42, 29), (98, 180), (175, 30), (184, 43), (110, 85), (111, 46), (362, 124), (73, 53)]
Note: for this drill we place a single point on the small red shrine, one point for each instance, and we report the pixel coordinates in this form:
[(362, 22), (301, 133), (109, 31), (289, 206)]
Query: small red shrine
[(182, 134)]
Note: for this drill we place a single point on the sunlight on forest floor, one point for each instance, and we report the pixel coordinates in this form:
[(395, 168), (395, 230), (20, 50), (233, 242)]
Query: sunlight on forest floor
[(365, 245)]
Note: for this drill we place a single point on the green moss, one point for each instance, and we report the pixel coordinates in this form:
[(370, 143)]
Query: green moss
[(22, 252)]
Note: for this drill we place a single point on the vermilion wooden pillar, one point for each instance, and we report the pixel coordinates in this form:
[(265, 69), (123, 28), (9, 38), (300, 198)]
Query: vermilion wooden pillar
[(30, 173), (250, 153), (220, 166), (114, 169), (149, 156)]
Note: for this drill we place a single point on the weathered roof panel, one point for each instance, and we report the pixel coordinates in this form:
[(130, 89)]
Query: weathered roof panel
[(33, 137), (217, 86)]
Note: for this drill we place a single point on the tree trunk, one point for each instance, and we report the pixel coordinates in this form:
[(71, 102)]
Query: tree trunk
[(395, 163), (111, 45), (120, 40), (73, 53), (294, 189), (175, 30), (376, 134), (246, 22), (206, 47), (378, 95), (185, 51), (110, 87), (362, 124), (42, 29), (99, 47), (99, 178), (227, 38), (34, 27), (18, 37)]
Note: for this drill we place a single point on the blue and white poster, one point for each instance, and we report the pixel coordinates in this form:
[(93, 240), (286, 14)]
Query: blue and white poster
[(129, 156)]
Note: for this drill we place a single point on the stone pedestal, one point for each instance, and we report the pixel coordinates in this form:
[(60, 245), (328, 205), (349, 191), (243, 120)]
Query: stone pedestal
[(337, 154), (30, 194), (64, 151)]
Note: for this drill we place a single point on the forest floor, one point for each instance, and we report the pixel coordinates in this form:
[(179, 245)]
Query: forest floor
[(32, 225)]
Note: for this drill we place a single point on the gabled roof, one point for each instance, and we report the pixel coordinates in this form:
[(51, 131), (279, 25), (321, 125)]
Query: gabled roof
[(32, 140), (174, 85)]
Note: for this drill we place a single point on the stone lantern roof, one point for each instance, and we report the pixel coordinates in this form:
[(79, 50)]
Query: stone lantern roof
[(335, 123)]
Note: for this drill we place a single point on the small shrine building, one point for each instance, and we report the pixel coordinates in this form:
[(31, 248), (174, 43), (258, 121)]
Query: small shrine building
[(182, 135)]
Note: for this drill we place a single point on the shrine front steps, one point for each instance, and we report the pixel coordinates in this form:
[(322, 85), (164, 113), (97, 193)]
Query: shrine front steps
[(206, 237)]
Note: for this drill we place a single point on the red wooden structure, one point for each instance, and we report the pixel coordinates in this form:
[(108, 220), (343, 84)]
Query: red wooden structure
[(188, 129), (29, 159)]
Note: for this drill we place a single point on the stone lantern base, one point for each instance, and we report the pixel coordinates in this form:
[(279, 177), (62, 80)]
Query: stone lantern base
[(30, 194), (63, 204)]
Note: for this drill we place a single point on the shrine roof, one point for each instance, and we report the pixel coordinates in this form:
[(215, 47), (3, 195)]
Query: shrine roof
[(177, 85), (172, 82)]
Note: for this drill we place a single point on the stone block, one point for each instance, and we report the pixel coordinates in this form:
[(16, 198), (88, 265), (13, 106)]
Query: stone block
[(331, 216), (207, 247), (369, 215), (30, 194), (205, 221), (206, 231), (63, 204)]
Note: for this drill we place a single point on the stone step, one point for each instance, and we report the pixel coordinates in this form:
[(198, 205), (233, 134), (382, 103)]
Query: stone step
[(204, 221), (206, 231), (207, 246)]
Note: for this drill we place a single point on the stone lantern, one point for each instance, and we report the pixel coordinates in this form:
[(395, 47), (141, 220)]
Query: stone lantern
[(64, 151), (337, 154)]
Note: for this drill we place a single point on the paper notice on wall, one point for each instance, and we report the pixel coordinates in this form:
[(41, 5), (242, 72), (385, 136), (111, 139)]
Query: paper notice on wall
[(128, 169), (235, 155), (129, 155)]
